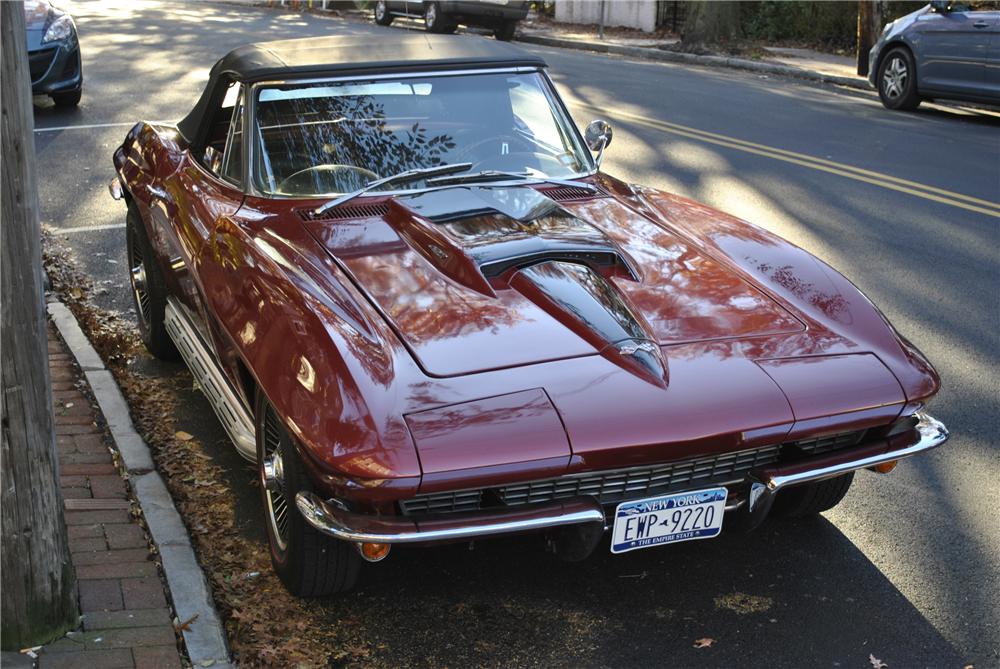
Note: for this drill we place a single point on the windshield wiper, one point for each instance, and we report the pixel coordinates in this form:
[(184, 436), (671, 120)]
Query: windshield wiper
[(400, 178), (486, 176)]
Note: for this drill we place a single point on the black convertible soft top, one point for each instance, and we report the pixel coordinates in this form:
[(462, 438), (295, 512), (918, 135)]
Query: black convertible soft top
[(348, 55)]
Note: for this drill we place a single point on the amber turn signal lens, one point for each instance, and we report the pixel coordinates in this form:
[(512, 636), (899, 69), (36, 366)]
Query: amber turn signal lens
[(886, 467), (373, 552)]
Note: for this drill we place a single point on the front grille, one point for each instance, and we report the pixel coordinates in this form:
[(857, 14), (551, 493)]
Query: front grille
[(830, 443), (346, 212), (39, 63), (608, 487), (614, 486)]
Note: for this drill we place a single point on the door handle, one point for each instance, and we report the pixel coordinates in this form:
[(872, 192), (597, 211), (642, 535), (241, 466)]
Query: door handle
[(980, 24)]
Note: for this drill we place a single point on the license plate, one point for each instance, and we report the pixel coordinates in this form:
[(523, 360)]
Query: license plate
[(683, 516)]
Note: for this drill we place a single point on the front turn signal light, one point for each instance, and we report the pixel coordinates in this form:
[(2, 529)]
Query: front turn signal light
[(373, 552), (885, 467)]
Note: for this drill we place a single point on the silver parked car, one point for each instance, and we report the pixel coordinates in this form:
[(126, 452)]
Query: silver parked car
[(944, 50)]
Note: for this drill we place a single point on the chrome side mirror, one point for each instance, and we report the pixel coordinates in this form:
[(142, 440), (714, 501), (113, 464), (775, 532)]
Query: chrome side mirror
[(598, 136)]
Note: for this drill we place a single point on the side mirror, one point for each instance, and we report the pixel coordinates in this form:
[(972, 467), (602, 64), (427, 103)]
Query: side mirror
[(598, 136), (941, 6)]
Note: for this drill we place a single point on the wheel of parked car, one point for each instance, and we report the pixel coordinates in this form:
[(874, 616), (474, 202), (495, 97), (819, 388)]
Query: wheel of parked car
[(382, 15), (149, 290), (309, 563), (435, 21), (897, 80), (812, 498), (70, 99), (505, 31)]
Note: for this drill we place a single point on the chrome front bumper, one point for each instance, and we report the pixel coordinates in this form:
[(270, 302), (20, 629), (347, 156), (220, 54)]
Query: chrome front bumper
[(764, 485)]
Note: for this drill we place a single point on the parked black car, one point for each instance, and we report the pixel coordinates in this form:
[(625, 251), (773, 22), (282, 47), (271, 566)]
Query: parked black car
[(53, 53), (500, 16)]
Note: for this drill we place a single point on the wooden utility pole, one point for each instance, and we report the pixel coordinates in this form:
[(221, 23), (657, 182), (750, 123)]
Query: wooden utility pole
[(37, 602), (871, 19)]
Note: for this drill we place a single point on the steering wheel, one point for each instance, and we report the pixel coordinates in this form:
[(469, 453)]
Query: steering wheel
[(320, 179), (475, 145)]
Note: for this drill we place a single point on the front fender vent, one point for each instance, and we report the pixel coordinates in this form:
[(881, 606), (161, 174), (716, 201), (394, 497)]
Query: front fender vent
[(570, 193), (346, 212)]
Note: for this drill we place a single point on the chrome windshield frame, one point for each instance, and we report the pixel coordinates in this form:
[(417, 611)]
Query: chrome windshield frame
[(251, 187)]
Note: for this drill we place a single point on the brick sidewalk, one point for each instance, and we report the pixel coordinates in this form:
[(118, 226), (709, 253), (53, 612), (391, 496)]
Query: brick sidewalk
[(126, 618)]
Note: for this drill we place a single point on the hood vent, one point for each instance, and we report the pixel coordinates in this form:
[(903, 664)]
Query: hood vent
[(569, 193), (346, 212)]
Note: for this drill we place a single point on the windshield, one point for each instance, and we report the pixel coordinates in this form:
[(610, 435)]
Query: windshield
[(330, 138)]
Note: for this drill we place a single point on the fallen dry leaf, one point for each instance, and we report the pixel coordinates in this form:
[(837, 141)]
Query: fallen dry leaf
[(183, 436), (877, 663), (186, 625), (704, 643)]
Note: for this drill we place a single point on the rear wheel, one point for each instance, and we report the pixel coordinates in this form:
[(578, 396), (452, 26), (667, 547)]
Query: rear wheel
[(810, 499), (149, 289), (435, 21), (505, 31), (897, 80), (309, 563), (382, 15)]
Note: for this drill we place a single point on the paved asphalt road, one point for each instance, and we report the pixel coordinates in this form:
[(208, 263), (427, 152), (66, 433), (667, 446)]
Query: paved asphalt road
[(906, 568)]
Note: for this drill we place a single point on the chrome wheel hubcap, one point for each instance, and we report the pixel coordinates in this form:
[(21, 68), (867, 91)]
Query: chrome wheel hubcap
[(894, 78), (140, 289), (272, 474), (380, 11)]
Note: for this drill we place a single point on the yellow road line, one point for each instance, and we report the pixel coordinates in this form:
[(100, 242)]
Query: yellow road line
[(858, 174)]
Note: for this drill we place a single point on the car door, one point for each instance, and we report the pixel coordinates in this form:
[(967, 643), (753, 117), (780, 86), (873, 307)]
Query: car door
[(993, 59), (211, 185), (950, 48)]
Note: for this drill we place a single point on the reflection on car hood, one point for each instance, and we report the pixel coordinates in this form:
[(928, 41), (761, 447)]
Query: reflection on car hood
[(478, 278), (36, 14)]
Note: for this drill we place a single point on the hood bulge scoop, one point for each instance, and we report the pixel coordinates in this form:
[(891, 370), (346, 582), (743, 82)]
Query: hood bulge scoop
[(477, 278)]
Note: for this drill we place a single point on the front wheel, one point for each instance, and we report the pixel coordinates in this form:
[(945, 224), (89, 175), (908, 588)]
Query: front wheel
[(309, 563), (71, 99), (897, 80), (149, 289), (382, 15), (810, 499)]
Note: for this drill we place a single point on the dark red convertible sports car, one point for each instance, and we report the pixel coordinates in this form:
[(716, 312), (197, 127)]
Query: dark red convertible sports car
[(417, 304)]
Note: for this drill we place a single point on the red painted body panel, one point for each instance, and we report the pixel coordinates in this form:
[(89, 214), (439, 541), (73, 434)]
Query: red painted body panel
[(456, 440), (383, 365)]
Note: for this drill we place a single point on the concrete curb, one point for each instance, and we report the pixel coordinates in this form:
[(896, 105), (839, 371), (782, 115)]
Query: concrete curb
[(661, 55), (205, 639)]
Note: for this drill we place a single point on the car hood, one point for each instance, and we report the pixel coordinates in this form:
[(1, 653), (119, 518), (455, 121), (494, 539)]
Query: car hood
[(479, 278), (37, 16), (897, 26)]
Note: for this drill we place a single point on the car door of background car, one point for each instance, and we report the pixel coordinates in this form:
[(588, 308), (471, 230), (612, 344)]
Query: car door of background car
[(950, 49), (993, 59), (212, 185)]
